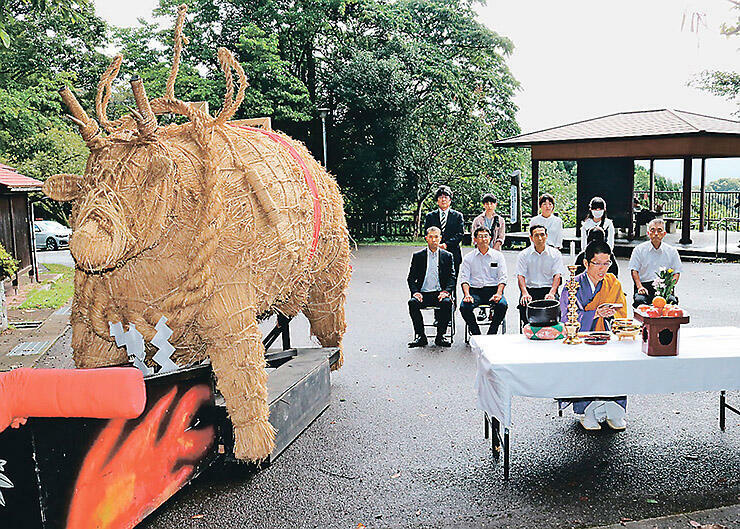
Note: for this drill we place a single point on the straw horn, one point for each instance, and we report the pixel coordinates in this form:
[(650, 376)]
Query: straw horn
[(146, 121), (88, 127)]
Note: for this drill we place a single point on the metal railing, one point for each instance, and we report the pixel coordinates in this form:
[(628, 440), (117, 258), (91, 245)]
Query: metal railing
[(718, 205), (725, 221), (391, 225)]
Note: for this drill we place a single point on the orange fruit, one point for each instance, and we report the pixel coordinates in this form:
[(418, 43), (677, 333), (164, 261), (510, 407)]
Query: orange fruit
[(659, 302)]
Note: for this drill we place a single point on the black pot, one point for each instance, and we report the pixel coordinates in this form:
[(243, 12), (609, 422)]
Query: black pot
[(543, 312)]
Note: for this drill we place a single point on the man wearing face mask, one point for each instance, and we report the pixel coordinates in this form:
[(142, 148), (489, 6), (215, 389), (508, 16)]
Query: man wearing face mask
[(597, 217)]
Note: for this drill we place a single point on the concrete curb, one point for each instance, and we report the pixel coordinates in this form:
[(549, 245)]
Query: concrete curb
[(724, 516)]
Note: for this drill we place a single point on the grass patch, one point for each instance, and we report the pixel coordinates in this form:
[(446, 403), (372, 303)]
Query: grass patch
[(51, 295)]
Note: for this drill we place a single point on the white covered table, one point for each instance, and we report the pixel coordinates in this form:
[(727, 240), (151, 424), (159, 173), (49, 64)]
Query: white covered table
[(509, 365)]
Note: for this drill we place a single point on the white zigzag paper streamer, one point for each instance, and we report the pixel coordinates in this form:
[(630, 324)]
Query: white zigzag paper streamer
[(133, 341), (161, 341)]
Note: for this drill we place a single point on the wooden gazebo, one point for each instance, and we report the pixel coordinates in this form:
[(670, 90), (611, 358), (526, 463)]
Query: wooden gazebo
[(605, 149), (15, 214)]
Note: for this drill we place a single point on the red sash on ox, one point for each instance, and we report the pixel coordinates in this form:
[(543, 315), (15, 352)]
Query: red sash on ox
[(611, 292), (306, 175)]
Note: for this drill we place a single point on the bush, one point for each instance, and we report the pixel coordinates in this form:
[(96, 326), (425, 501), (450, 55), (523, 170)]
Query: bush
[(8, 265)]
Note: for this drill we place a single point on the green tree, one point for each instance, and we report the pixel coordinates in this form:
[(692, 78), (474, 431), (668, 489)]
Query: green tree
[(273, 90), (724, 84), (642, 181), (63, 151), (64, 9), (49, 48), (724, 184), (420, 91), (55, 45), (557, 178)]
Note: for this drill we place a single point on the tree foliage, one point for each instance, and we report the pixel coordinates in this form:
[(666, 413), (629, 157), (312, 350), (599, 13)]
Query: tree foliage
[(719, 83), (423, 88), (642, 181), (418, 90), (50, 46), (724, 184)]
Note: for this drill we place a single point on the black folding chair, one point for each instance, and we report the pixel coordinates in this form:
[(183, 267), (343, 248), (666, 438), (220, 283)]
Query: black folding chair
[(450, 333), (485, 323)]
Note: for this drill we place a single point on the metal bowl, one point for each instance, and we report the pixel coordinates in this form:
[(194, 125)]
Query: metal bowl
[(543, 312)]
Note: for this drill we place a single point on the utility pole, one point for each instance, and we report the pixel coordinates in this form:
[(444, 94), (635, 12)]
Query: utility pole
[(516, 202), (323, 112)]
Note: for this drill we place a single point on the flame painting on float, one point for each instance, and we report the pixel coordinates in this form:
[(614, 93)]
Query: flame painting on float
[(205, 226), (76, 473)]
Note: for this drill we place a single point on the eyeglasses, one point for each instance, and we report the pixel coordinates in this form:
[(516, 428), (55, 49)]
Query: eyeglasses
[(602, 265)]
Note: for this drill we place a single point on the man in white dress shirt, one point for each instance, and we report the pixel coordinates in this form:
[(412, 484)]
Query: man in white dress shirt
[(482, 279), (539, 270), (648, 258), (549, 220)]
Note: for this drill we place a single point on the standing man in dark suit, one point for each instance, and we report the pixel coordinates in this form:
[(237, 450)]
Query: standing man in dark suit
[(449, 221), (431, 281)]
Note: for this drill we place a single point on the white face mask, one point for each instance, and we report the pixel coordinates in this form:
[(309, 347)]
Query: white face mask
[(597, 213)]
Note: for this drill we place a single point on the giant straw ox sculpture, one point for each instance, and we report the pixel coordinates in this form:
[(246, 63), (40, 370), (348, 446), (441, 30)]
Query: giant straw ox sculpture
[(208, 224)]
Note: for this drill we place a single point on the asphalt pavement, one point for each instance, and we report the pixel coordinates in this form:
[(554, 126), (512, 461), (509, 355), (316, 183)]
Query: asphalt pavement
[(62, 257), (401, 444)]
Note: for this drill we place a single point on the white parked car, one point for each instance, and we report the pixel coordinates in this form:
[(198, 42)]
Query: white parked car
[(51, 235)]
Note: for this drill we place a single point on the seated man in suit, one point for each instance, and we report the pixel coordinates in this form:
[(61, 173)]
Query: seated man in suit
[(431, 282), (450, 223), (482, 279)]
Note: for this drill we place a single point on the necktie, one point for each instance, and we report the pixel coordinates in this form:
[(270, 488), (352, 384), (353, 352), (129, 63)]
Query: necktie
[(443, 222)]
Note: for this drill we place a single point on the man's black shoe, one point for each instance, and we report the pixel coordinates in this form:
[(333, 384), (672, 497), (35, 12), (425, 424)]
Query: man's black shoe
[(442, 342), (419, 341)]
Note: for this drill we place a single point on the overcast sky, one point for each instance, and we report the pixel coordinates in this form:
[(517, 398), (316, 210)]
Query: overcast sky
[(579, 59)]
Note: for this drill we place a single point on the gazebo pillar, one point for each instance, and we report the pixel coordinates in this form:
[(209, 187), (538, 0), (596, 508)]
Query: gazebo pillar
[(535, 187), (651, 203), (686, 206), (702, 198)]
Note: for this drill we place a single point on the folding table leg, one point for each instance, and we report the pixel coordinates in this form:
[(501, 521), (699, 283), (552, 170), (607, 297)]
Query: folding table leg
[(486, 426), (495, 438), (723, 407), (506, 453)]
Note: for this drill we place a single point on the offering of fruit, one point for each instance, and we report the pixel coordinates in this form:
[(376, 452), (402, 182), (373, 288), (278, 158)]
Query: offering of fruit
[(672, 311), (659, 302), (660, 309)]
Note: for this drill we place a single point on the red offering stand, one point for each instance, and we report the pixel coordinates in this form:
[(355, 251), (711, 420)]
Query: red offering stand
[(660, 333)]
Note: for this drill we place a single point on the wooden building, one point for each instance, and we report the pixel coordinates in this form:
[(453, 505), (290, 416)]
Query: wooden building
[(605, 149), (16, 233)]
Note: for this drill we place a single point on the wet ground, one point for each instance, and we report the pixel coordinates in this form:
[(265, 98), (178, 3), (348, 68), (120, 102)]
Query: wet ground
[(402, 443)]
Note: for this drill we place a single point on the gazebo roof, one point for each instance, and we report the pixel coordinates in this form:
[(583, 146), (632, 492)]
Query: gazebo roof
[(15, 181), (629, 125)]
